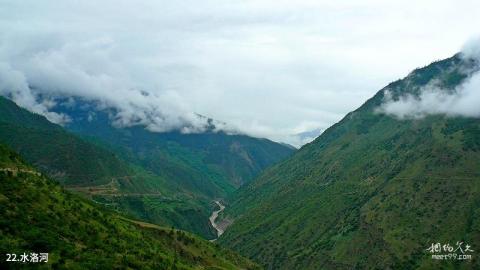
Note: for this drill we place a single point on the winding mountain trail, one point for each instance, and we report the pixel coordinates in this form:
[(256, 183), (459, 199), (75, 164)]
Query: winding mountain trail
[(214, 216)]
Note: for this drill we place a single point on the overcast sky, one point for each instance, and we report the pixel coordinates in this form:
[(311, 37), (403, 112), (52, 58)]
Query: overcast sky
[(269, 68)]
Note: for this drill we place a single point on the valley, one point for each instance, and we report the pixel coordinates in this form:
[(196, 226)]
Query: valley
[(240, 135), (371, 184), (162, 178), (40, 216)]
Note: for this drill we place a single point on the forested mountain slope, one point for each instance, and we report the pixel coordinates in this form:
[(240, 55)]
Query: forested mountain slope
[(164, 178), (40, 216), (71, 160), (372, 192), (92, 169)]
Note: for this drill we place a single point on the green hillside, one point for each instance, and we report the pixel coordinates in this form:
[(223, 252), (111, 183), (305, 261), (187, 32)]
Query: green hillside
[(69, 159), (372, 192), (163, 178), (93, 170), (40, 216)]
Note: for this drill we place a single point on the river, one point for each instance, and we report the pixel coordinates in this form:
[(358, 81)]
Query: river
[(213, 218)]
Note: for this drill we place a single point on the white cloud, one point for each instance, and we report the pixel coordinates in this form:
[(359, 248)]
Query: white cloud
[(14, 85), (268, 68), (433, 100), (462, 101), (471, 49)]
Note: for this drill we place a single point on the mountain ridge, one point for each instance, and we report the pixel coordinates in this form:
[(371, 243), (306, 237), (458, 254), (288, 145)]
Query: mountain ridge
[(354, 189)]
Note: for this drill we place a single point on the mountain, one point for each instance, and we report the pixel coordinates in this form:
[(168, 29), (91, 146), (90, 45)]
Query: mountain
[(163, 178), (68, 158), (372, 192), (96, 172), (40, 216), (212, 162), (200, 167)]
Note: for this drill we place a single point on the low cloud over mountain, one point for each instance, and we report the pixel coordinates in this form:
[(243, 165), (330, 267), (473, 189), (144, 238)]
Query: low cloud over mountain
[(464, 100), (267, 68)]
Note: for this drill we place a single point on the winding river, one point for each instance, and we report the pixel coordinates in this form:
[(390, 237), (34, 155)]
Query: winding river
[(213, 218)]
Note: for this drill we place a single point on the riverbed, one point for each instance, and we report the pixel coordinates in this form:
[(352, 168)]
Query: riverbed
[(214, 217)]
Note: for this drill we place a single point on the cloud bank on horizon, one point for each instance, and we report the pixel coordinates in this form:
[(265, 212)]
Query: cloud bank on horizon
[(464, 100), (268, 68)]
